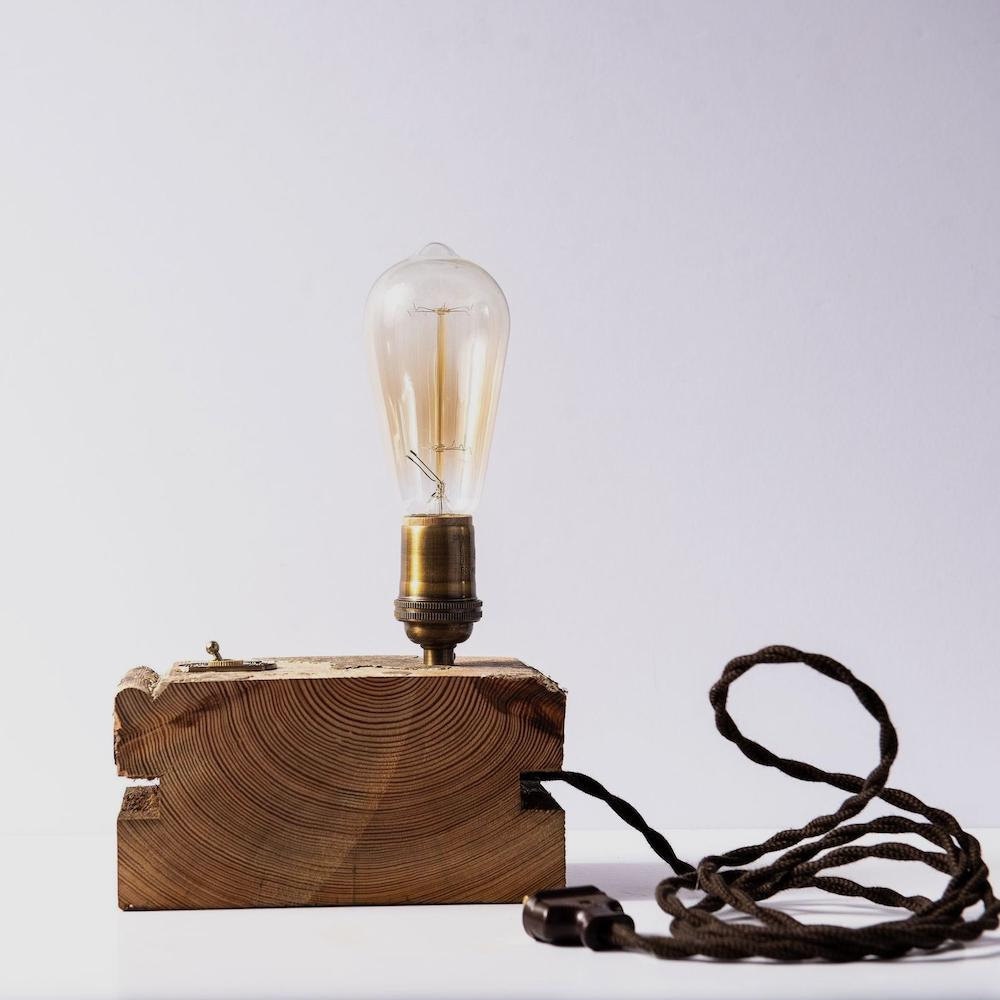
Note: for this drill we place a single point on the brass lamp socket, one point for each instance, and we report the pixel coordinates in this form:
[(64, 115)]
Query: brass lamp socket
[(437, 601)]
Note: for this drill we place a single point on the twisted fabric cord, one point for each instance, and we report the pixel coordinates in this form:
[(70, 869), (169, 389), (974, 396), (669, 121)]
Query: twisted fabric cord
[(723, 880)]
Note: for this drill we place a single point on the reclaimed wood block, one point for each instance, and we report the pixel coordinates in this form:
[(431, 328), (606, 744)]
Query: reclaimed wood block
[(338, 780)]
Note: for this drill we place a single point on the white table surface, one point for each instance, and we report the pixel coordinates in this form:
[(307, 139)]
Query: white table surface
[(61, 935)]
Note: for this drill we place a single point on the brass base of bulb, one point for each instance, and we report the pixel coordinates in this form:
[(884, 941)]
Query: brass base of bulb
[(437, 601)]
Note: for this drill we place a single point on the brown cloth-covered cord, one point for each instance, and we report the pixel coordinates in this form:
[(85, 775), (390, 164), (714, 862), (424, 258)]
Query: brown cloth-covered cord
[(697, 930)]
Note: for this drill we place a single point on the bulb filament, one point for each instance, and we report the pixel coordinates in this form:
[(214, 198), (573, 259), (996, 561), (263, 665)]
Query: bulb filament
[(439, 447)]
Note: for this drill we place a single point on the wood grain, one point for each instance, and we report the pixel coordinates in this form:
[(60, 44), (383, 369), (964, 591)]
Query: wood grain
[(337, 781)]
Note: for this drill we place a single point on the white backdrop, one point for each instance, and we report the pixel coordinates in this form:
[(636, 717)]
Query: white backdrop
[(752, 257)]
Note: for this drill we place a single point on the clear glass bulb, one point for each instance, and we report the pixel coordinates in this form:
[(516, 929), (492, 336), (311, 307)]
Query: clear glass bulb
[(437, 327)]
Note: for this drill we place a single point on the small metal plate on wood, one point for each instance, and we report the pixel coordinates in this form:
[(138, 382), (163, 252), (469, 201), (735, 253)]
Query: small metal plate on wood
[(218, 663), (222, 665)]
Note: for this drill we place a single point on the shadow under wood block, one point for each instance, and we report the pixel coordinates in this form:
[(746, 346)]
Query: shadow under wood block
[(336, 781)]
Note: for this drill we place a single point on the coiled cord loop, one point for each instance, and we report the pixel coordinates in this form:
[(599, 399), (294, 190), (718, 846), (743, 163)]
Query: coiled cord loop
[(823, 844)]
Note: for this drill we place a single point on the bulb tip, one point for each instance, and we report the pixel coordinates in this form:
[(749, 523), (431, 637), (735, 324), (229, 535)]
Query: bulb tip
[(436, 251)]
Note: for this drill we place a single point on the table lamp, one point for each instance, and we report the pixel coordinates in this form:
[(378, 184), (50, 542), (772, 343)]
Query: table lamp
[(372, 778)]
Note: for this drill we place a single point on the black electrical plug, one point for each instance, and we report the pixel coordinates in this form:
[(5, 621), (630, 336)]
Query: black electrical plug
[(575, 915)]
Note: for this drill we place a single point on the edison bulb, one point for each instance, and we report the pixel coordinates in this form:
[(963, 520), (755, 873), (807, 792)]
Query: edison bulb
[(437, 328)]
